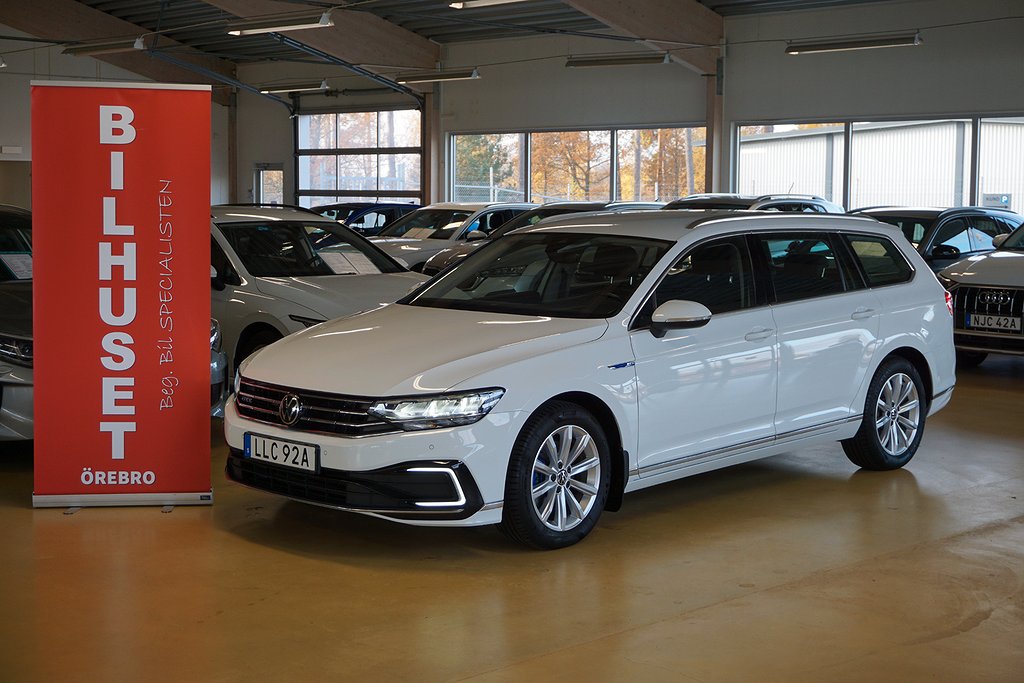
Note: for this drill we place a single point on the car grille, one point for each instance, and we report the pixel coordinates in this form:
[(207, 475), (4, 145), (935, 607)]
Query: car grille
[(321, 412), (1001, 301)]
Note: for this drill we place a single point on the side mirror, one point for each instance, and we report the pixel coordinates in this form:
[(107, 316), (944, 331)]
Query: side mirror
[(475, 235), (944, 251), (215, 280), (678, 315), (998, 240)]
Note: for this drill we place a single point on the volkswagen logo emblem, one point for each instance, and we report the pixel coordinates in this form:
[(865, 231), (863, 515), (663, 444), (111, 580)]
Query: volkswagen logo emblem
[(291, 409), (994, 297)]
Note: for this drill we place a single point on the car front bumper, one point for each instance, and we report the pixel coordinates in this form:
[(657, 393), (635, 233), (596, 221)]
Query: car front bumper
[(15, 402), (436, 477)]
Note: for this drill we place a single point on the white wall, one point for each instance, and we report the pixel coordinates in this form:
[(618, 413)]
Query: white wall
[(47, 63)]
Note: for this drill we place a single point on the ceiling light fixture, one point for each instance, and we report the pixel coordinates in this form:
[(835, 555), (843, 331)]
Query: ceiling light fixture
[(431, 76), (617, 60), (905, 40), (311, 86), (105, 47), (469, 4), (250, 27)]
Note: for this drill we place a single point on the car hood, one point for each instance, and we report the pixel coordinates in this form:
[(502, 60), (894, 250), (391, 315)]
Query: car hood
[(1002, 268), (333, 296), (16, 308), (407, 350), (411, 250)]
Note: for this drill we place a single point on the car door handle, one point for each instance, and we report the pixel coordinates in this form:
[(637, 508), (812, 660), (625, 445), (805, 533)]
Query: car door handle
[(862, 313), (759, 334)]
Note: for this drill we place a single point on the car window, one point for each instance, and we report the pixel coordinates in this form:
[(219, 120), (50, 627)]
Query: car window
[(801, 266), (717, 274), (914, 229), (880, 260), (984, 229), (16, 249), (370, 219), (564, 275), (424, 223), (953, 233), (294, 248), (219, 260)]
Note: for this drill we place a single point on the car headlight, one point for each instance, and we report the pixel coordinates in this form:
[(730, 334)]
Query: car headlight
[(16, 350), (214, 335), (435, 412)]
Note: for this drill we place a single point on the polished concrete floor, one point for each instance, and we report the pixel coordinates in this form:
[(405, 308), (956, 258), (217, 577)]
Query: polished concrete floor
[(798, 568)]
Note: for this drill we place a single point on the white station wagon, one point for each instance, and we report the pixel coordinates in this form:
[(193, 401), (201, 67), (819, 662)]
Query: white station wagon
[(572, 362)]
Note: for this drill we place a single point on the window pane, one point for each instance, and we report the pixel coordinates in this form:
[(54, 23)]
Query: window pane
[(310, 202), (661, 164), (488, 168), (802, 266), (910, 163), (571, 165), (1000, 170), (801, 158), (358, 129), (271, 186), (318, 172), (317, 131), (399, 172), (357, 172), (882, 262), (400, 128)]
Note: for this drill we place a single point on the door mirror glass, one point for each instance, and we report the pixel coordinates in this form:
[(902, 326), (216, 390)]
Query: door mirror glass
[(475, 235), (945, 251), (678, 315)]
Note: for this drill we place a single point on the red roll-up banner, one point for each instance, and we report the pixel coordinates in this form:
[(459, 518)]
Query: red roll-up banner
[(121, 261)]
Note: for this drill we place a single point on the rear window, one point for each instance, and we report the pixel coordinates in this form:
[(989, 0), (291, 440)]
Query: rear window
[(881, 260)]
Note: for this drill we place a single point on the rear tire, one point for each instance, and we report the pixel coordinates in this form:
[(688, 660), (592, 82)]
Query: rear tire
[(969, 359), (893, 421), (558, 478)]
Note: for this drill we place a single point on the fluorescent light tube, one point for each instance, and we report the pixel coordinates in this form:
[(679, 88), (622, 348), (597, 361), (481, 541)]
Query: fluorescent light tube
[(431, 76), (311, 86), (469, 4), (858, 44), (104, 48), (618, 60), (251, 27)]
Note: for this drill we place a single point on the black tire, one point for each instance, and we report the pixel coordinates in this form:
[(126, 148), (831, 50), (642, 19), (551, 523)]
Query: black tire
[(534, 519), (254, 343), (969, 359), (896, 390)]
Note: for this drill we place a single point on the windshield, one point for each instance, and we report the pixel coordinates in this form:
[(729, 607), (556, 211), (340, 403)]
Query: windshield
[(564, 275), (427, 223), (1015, 240), (914, 229), (293, 248), (336, 212), (535, 216), (15, 248)]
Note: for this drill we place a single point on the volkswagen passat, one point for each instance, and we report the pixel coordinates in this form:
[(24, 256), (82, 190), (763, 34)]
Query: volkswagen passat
[(578, 360)]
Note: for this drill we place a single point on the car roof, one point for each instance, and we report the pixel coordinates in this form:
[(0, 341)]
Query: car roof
[(12, 210), (675, 224), (243, 213), (363, 205), (929, 211)]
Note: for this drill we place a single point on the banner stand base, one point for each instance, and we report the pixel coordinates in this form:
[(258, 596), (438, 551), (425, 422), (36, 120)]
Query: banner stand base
[(122, 499)]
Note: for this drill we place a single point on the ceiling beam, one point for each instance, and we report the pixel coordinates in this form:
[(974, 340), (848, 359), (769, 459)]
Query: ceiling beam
[(67, 20), (655, 21), (356, 37)]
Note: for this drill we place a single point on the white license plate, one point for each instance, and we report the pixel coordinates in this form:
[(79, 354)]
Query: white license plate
[(993, 322), (300, 456)]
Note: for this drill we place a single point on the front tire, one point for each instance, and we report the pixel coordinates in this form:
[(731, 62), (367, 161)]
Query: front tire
[(893, 421), (558, 478)]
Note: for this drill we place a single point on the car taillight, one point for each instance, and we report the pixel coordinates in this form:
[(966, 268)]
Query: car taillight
[(949, 303)]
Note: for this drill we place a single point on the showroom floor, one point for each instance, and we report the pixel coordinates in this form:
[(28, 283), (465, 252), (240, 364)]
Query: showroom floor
[(797, 568)]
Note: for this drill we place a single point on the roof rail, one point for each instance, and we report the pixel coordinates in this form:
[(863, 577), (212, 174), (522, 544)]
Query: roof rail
[(786, 195), (270, 205)]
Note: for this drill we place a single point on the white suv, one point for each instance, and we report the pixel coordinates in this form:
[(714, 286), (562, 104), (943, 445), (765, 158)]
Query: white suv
[(593, 355)]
